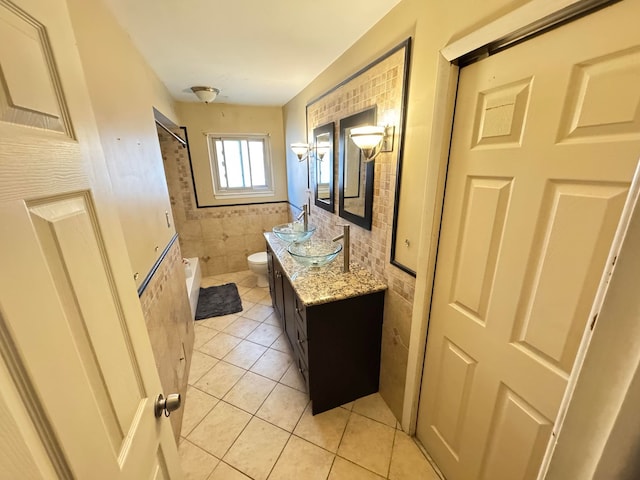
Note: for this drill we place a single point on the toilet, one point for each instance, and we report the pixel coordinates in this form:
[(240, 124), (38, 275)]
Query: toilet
[(258, 265)]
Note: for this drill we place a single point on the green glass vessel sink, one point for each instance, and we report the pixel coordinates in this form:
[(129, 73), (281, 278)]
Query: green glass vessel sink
[(315, 253)]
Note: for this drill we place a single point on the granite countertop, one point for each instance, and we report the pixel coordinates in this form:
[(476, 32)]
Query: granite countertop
[(325, 284)]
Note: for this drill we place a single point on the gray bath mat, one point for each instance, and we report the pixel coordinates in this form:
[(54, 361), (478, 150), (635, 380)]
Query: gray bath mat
[(217, 301)]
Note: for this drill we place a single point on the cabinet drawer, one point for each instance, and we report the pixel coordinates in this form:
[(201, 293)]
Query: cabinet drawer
[(303, 369), (302, 343), (300, 313)]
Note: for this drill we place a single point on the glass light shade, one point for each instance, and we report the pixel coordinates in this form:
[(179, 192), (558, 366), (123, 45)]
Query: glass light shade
[(322, 148), (367, 138), (300, 149), (205, 94)]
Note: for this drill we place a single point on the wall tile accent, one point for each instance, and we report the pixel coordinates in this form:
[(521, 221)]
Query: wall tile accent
[(380, 86), (222, 237), (167, 314)]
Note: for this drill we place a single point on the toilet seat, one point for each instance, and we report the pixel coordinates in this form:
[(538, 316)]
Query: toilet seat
[(258, 258)]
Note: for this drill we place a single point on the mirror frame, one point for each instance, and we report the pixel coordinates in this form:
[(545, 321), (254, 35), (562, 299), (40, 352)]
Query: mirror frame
[(328, 128), (366, 117)]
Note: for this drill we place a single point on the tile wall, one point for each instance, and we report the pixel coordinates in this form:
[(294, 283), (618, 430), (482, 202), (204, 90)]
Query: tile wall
[(167, 314), (222, 237), (381, 86)]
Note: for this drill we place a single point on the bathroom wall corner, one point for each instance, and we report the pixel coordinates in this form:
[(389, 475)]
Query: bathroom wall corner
[(394, 350), (167, 314), (221, 237)]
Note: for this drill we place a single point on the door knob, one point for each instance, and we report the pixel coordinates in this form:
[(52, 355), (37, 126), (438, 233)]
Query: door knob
[(167, 405)]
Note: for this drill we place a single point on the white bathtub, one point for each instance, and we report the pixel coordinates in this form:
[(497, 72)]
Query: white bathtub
[(194, 276)]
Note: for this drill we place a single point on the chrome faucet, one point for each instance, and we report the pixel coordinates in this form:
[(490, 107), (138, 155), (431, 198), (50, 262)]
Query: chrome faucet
[(304, 213), (346, 246)]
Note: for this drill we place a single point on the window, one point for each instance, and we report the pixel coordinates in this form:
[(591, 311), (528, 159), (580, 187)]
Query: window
[(240, 165)]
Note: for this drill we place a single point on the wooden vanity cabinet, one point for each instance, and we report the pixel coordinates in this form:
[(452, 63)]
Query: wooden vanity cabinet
[(275, 276), (281, 294), (336, 345), (289, 308)]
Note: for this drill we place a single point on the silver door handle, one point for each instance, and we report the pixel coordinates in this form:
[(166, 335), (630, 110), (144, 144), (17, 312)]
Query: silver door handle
[(167, 405)]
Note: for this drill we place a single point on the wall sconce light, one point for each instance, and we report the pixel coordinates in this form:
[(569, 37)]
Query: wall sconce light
[(372, 140), (206, 94), (322, 148), (301, 150)]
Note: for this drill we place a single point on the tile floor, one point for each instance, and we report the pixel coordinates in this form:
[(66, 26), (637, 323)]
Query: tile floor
[(247, 415)]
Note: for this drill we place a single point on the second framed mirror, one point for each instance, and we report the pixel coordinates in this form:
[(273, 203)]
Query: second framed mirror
[(356, 175), (323, 162)]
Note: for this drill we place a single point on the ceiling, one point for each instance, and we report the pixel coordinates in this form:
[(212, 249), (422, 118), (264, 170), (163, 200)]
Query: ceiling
[(257, 52)]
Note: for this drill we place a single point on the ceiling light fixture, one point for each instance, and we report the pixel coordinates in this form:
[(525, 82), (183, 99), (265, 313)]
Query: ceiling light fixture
[(206, 94)]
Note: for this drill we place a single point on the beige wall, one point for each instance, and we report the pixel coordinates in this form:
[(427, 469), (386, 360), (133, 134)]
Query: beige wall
[(123, 92), (379, 87), (170, 325), (432, 25), (221, 237), (200, 118)]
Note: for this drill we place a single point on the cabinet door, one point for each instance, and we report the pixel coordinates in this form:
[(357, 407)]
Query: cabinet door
[(289, 312), (270, 273), (277, 295)]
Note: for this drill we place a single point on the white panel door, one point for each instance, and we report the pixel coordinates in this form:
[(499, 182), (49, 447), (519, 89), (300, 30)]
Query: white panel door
[(72, 335), (546, 138)]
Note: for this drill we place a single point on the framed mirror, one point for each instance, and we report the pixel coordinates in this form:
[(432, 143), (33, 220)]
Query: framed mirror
[(355, 184), (323, 162)]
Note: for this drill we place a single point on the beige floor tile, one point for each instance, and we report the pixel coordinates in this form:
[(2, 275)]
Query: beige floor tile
[(197, 405), (200, 364), (283, 407), (219, 429), (207, 282), (256, 294), (374, 407), (246, 306), (367, 443), (325, 429), (195, 462), (408, 462), (347, 406), (345, 470), (256, 450), (247, 279), (202, 335), (241, 327), (219, 380), (229, 277), (245, 354), (258, 312), (221, 279), (249, 282), (293, 379), (219, 323), (282, 344), (273, 319), (272, 364), (266, 300), (250, 391), (302, 460), (220, 345), (265, 334), (242, 290), (225, 472)]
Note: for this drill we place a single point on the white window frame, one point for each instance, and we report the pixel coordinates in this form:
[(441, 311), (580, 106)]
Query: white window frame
[(225, 192)]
